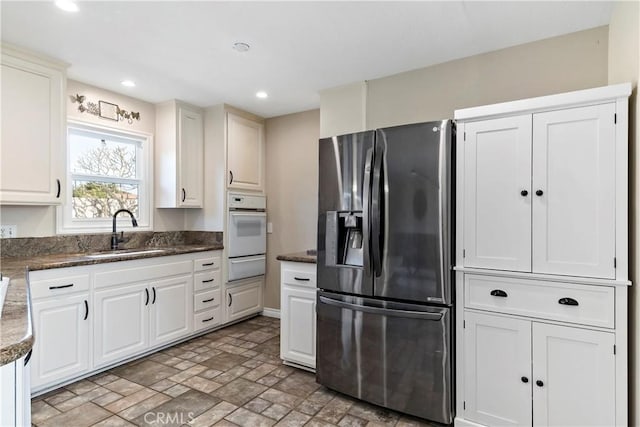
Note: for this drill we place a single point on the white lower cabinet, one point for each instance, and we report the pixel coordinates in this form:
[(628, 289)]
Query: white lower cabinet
[(298, 314), (521, 372), (497, 360), (574, 376), (170, 310), (244, 299), (132, 317), (62, 319), (90, 317), (207, 293), (15, 393), (122, 326), (61, 349)]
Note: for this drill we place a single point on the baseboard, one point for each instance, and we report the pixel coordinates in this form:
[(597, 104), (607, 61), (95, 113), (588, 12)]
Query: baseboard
[(271, 312)]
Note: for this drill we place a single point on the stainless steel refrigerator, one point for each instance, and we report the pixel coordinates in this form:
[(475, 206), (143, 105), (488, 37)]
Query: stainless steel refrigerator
[(385, 242)]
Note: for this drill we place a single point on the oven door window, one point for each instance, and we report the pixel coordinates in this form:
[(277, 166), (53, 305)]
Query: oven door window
[(247, 233)]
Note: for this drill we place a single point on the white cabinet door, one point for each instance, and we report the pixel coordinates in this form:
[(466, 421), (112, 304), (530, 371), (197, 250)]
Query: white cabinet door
[(298, 325), (245, 299), (32, 132), (121, 322), (497, 193), (245, 153), (171, 309), (191, 146), (61, 348), (573, 377), (497, 382), (574, 191)]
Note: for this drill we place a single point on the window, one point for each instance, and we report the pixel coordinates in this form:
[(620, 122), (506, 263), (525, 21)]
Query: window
[(107, 170)]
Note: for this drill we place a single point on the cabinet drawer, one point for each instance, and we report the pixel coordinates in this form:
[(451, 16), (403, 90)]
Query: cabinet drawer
[(206, 280), (299, 277), (206, 319), (206, 263), (208, 299), (54, 286), (582, 304)]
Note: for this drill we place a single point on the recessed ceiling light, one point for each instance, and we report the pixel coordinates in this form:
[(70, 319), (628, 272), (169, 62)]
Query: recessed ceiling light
[(241, 47), (128, 83), (67, 5), (262, 94)]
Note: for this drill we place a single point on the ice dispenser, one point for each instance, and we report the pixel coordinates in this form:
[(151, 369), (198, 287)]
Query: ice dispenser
[(344, 238)]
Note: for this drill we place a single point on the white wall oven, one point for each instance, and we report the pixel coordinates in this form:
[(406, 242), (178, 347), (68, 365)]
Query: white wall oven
[(247, 236)]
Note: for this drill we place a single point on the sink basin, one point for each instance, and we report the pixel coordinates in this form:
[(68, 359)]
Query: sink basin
[(123, 254), (4, 284)]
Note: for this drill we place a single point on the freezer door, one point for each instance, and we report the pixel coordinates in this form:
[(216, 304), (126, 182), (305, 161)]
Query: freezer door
[(390, 354), (343, 207), (411, 226)]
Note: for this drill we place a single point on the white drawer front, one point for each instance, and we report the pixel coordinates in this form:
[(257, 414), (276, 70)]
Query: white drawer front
[(207, 263), (299, 277), (207, 299), (58, 286), (207, 319), (542, 299), (241, 268), (206, 280)]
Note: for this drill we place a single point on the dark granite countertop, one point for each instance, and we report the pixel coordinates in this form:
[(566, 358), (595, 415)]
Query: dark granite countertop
[(309, 256), (16, 330)]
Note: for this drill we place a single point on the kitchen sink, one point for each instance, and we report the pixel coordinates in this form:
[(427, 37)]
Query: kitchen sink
[(123, 254)]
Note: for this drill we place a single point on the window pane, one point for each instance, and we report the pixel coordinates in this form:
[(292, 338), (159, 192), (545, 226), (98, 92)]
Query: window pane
[(99, 154), (96, 199)]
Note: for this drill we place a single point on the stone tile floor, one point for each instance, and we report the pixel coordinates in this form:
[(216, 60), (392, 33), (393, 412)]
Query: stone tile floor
[(230, 377)]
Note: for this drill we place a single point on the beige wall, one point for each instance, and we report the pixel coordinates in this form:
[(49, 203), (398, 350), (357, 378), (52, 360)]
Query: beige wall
[(560, 64), (624, 66), (343, 109), (292, 191), (37, 221)]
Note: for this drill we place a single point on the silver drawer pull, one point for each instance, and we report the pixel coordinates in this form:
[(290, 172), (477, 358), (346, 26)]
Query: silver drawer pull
[(61, 286)]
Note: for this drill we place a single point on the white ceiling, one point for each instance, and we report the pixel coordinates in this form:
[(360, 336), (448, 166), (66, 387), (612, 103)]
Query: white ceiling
[(184, 49)]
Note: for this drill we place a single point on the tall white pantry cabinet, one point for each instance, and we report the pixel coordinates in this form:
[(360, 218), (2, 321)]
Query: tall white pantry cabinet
[(542, 261)]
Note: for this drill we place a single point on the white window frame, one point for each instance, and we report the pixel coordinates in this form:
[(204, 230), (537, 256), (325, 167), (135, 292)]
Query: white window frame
[(66, 224)]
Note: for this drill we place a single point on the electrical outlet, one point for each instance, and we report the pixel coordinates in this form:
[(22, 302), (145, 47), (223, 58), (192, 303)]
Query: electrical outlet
[(8, 231), (269, 227)]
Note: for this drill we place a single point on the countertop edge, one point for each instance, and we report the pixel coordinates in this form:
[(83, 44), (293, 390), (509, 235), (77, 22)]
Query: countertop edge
[(20, 347), (298, 257)]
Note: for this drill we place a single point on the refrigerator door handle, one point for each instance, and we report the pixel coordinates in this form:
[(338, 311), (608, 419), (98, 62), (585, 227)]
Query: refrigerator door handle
[(383, 311), (366, 211), (376, 208)]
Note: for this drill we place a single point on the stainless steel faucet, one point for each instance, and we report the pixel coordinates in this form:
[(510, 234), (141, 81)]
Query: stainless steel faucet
[(114, 235)]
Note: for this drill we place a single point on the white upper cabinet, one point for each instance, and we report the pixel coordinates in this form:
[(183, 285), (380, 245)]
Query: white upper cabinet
[(179, 153), (245, 154), (33, 123), (497, 219), (574, 197), (545, 190)]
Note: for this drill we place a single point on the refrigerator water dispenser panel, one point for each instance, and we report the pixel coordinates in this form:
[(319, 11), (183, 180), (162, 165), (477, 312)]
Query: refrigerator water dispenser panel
[(343, 239)]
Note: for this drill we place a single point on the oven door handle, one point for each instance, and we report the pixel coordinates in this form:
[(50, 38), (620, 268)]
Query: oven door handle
[(245, 213), (383, 311), (247, 259)]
